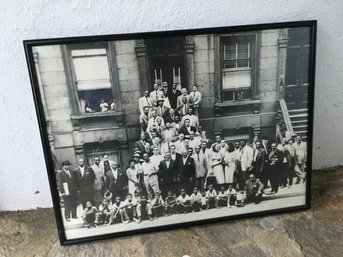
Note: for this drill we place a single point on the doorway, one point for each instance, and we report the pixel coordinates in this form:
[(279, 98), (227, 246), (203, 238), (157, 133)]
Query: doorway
[(167, 61)]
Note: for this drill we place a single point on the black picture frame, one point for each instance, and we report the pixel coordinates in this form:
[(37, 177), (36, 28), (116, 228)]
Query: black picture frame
[(41, 116)]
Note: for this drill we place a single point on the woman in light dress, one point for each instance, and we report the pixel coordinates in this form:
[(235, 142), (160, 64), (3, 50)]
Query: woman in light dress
[(133, 177), (229, 160), (216, 164)]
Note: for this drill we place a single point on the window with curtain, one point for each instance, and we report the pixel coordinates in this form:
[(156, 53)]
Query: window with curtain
[(237, 57), (92, 77)]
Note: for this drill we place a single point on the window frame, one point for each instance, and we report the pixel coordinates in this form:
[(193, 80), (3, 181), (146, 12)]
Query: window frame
[(253, 38), (71, 76)]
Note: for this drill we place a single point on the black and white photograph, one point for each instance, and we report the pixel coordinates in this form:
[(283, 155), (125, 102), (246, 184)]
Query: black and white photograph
[(162, 130)]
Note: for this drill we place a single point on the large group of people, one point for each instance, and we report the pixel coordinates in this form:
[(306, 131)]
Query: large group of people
[(175, 168)]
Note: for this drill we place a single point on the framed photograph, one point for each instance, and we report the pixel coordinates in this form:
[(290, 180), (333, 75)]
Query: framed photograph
[(152, 131)]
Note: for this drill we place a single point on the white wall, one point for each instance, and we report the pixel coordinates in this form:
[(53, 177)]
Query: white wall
[(22, 168)]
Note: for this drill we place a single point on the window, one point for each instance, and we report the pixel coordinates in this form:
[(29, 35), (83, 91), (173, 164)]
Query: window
[(237, 66), (92, 78)]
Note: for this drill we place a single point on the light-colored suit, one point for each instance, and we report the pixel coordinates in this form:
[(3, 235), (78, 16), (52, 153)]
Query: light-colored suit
[(144, 101), (200, 165), (195, 97), (156, 95), (179, 99), (247, 158)]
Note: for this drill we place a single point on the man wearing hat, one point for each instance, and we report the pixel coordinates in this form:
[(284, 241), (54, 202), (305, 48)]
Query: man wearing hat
[(161, 110), (67, 181)]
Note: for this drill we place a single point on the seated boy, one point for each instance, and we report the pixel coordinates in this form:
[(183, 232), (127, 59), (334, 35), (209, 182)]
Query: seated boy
[(240, 199), (184, 202), (211, 196), (170, 203), (129, 208), (204, 201), (103, 216), (231, 196), (116, 214), (88, 215), (196, 200), (157, 205), (144, 209), (222, 198)]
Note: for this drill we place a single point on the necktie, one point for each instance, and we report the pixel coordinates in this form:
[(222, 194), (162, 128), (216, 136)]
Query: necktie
[(198, 157), (146, 98), (156, 95)]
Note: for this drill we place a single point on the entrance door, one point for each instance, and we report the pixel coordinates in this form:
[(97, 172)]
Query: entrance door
[(166, 61), (109, 148), (297, 69)]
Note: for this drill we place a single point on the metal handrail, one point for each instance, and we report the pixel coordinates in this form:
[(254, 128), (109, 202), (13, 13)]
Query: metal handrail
[(285, 115)]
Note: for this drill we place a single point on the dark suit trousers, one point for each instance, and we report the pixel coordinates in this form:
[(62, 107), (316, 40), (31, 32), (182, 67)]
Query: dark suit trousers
[(70, 205), (86, 194)]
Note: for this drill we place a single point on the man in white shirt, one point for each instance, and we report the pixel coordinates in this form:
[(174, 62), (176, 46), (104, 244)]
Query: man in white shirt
[(300, 159), (169, 134), (153, 121), (156, 158), (180, 144), (195, 98), (246, 160), (144, 118), (193, 142), (145, 101), (183, 94), (194, 121), (156, 94), (150, 177)]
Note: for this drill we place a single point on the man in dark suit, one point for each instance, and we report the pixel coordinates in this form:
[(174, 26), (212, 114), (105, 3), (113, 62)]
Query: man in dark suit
[(116, 182), (86, 179), (173, 94), (140, 144), (275, 162), (186, 176), (167, 178), (187, 128), (67, 181), (170, 118), (260, 163)]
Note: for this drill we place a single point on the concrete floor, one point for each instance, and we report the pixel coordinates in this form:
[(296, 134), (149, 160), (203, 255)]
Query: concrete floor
[(316, 232)]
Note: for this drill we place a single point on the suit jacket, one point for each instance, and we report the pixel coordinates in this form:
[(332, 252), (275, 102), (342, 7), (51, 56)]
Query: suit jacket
[(195, 97), (247, 158), (187, 170), (200, 164), (184, 130), (173, 97), (87, 180), (179, 100), (275, 158), (63, 180), (260, 160), (115, 185), (183, 108), (161, 112), (142, 102), (169, 119), (167, 173), (139, 144)]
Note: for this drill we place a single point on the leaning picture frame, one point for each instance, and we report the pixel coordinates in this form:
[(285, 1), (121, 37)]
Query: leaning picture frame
[(151, 131)]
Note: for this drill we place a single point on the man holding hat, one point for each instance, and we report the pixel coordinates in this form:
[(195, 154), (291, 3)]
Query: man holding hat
[(67, 185)]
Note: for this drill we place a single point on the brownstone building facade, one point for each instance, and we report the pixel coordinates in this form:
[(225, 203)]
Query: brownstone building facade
[(246, 81)]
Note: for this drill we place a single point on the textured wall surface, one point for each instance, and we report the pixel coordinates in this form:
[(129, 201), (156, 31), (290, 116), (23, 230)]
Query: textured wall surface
[(23, 179)]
